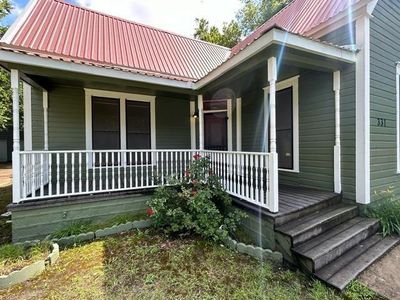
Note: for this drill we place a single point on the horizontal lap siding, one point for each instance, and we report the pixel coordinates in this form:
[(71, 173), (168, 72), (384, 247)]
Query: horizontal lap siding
[(172, 123), (385, 52), (67, 118), (37, 119), (316, 132), (342, 36)]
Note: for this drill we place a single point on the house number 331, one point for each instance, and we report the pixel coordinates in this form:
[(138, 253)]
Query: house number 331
[(381, 122)]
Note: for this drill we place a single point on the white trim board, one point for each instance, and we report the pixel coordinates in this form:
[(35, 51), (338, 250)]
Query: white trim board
[(292, 82), (123, 97)]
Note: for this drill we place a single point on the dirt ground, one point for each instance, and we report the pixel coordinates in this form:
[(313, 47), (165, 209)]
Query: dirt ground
[(5, 175), (384, 276)]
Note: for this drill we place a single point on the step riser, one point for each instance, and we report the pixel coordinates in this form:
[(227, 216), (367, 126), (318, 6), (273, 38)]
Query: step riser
[(324, 226), (313, 266), (279, 221)]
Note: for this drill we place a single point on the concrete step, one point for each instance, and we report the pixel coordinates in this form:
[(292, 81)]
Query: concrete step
[(340, 272), (324, 248), (312, 225), (281, 220)]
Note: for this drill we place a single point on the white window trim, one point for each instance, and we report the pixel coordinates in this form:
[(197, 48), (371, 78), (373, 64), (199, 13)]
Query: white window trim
[(398, 114), (123, 97), (292, 82)]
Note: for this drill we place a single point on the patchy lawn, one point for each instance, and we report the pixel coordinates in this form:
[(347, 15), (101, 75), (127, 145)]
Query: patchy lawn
[(143, 265)]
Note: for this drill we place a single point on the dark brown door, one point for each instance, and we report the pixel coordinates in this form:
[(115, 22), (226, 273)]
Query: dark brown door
[(215, 131), (138, 125)]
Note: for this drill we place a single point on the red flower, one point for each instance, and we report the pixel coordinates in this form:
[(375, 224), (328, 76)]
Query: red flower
[(194, 181), (150, 212), (194, 192), (197, 156), (187, 173)]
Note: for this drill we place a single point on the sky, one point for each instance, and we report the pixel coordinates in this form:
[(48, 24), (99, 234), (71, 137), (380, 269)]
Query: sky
[(173, 15)]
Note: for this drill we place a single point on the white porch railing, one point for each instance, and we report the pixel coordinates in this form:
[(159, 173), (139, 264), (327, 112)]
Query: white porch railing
[(52, 174)]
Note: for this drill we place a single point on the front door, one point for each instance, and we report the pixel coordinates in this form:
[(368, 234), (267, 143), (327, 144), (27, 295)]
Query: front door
[(215, 131)]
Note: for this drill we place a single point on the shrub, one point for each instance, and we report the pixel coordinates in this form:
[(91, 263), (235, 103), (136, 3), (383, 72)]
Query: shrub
[(387, 210), (195, 204)]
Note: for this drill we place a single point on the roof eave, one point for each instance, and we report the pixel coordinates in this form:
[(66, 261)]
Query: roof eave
[(35, 61), (280, 37)]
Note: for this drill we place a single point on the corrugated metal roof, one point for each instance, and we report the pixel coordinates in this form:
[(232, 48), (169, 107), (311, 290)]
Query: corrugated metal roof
[(60, 30), (299, 17)]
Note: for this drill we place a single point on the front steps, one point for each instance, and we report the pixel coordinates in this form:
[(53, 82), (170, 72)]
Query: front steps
[(333, 243)]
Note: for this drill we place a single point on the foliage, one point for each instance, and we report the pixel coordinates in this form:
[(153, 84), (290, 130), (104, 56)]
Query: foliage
[(5, 84), (229, 36), (251, 15), (256, 12), (387, 209), (11, 252), (196, 204), (5, 227), (319, 291), (357, 291)]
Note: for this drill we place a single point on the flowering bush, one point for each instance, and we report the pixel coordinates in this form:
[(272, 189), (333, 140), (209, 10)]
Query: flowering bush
[(195, 204)]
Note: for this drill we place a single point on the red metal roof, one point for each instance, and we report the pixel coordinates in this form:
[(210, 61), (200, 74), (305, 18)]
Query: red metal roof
[(299, 17), (60, 30)]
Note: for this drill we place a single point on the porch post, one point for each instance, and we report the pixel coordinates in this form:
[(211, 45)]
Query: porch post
[(337, 147), (239, 124), (192, 125), (16, 139), (201, 121), (273, 166), (46, 119), (27, 117)]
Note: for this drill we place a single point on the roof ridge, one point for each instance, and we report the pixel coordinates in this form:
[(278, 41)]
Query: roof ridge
[(138, 23)]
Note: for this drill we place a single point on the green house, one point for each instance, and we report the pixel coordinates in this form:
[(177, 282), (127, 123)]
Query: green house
[(300, 121)]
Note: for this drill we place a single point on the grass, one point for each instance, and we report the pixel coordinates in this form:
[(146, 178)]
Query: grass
[(145, 265), (79, 227), (15, 257), (387, 210), (5, 228)]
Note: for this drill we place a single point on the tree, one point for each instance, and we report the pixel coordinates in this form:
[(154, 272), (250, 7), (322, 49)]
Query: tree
[(228, 37), (256, 12), (5, 85), (252, 14)]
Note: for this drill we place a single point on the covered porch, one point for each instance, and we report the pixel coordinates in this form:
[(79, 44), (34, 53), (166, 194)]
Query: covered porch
[(88, 159)]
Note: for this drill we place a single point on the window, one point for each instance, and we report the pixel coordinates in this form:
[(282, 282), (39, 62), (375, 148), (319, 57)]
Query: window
[(287, 124), (138, 125), (398, 114), (106, 130), (116, 120), (284, 128)]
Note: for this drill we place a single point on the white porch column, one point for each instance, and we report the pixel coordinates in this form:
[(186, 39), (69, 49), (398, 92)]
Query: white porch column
[(201, 121), (192, 125), (16, 139), (273, 166), (337, 147), (27, 117), (46, 119), (239, 124)]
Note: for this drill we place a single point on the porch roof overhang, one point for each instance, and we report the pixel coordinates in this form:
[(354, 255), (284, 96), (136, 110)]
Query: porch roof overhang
[(274, 37), (281, 38)]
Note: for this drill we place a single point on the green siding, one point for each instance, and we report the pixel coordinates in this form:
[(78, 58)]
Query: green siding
[(316, 132), (343, 36), (172, 123), (67, 120), (37, 221), (37, 119), (385, 52)]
